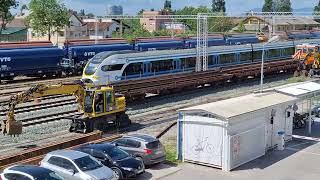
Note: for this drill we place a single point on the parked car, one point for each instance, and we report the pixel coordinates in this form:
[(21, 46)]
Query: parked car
[(75, 165), (122, 163), (142, 146), (28, 172)]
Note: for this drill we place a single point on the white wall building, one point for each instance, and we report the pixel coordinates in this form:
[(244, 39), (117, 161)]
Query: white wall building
[(229, 133), (105, 28)]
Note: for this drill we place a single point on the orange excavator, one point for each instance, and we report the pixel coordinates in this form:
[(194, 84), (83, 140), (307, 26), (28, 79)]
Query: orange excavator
[(308, 56)]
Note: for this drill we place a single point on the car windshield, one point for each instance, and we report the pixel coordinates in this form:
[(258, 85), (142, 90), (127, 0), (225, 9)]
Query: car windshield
[(49, 176), (86, 163), (116, 153)]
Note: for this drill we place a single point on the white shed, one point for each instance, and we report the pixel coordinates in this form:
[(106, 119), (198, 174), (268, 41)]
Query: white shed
[(229, 133)]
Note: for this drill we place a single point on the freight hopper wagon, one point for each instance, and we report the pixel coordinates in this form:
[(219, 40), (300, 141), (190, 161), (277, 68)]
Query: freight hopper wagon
[(31, 62)]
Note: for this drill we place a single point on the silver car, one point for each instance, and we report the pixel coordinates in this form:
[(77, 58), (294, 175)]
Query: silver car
[(146, 147), (75, 165)]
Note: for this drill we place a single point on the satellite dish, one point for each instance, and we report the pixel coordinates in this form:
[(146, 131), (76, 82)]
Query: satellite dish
[(295, 108)]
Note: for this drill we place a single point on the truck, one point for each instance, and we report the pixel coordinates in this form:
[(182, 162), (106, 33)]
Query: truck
[(99, 107)]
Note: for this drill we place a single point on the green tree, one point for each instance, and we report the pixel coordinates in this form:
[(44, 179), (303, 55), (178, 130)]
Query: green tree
[(241, 27), (167, 6), (217, 24), (82, 12), (282, 6), (5, 14), (90, 15), (317, 10), (47, 17), (267, 6), (218, 6)]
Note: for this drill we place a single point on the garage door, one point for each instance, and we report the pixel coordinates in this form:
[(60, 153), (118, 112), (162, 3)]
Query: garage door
[(202, 142)]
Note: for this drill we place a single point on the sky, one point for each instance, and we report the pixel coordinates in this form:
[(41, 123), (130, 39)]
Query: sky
[(131, 7)]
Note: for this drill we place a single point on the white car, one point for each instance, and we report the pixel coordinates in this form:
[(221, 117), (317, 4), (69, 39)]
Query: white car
[(28, 172), (75, 165)]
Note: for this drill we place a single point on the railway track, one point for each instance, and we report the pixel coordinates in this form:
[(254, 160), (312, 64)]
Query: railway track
[(41, 106), (27, 83)]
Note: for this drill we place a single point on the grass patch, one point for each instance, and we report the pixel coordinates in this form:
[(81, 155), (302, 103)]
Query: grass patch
[(171, 149), (297, 79), (171, 154)]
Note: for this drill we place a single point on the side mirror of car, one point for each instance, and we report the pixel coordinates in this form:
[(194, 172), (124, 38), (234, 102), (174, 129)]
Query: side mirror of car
[(71, 171)]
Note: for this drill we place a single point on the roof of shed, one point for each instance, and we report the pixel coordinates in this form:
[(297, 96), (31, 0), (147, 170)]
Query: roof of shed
[(301, 89), (287, 20), (242, 105)]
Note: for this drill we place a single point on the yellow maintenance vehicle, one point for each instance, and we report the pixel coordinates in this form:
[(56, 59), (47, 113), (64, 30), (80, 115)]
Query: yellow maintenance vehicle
[(100, 107), (308, 56)]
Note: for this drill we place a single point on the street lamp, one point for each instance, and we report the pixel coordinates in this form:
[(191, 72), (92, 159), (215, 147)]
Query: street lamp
[(271, 40)]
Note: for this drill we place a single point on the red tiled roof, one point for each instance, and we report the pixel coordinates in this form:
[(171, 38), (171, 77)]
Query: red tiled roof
[(101, 25)]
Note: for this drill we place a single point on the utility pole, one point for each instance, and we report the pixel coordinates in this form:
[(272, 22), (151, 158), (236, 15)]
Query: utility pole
[(202, 42), (96, 31)]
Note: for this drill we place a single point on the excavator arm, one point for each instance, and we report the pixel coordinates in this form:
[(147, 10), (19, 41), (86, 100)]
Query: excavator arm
[(12, 127)]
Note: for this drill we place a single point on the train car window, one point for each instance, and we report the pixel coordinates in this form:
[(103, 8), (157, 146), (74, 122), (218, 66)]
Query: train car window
[(273, 53), (115, 67), (210, 60), (164, 65), (257, 55), (188, 62), (288, 51), (133, 69), (226, 58), (245, 56)]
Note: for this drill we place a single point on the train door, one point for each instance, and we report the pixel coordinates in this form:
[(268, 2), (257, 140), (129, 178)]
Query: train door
[(237, 57), (176, 64), (215, 60), (146, 67)]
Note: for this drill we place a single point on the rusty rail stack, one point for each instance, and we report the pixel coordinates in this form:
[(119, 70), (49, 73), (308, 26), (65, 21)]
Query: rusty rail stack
[(176, 82)]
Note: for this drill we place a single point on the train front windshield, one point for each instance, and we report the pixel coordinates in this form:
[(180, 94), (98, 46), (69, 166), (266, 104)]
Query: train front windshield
[(93, 64)]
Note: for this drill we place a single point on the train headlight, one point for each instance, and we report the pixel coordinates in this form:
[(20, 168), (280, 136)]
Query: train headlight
[(95, 77)]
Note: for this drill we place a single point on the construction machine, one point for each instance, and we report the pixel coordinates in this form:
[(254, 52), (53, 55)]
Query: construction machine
[(100, 107), (308, 56)]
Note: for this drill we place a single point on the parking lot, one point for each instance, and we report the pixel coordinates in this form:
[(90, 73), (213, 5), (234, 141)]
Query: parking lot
[(300, 160)]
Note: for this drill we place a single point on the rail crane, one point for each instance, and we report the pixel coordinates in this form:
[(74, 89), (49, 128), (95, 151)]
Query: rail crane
[(100, 107)]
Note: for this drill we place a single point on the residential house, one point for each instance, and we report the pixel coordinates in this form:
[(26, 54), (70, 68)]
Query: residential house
[(279, 23), (149, 23), (176, 27), (105, 28)]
